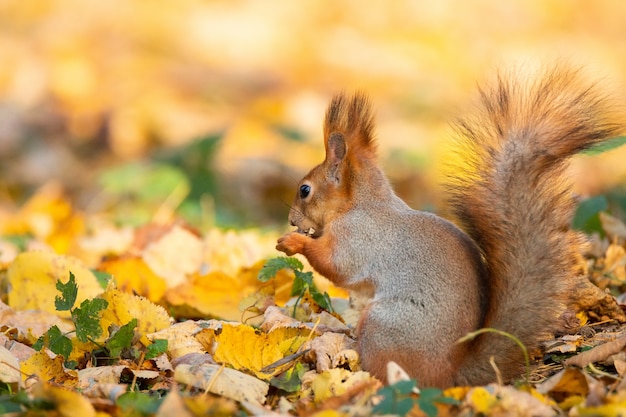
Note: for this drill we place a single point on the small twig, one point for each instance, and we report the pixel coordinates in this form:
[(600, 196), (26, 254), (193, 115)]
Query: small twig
[(139, 365), (472, 335), (213, 379)]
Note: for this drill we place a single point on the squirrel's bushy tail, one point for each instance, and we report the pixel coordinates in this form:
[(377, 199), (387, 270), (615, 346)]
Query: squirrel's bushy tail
[(513, 199)]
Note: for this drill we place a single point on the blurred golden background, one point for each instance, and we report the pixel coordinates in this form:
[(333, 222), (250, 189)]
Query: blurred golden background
[(123, 101)]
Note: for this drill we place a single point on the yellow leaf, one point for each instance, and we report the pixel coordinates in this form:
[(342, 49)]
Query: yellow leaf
[(481, 400), (185, 337), (43, 367), (50, 217), (132, 275), (243, 347), (33, 277), (336, 381), (124, 307), (218, 294), (66, 403)]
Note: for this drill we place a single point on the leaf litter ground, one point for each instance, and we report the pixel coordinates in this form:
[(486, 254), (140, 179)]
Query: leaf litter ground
[(161, 320)]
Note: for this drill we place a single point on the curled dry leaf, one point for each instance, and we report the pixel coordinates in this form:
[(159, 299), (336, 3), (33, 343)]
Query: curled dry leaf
[(223, 381), (598, 353), (331, 349)]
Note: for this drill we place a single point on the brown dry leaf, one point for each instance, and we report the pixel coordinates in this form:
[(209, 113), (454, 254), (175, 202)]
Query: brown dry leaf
[(33, 277), (175, 255), (19, 350), (330, 350), (123, 307), (27, 326), (612, 225), (100, 375), (223, 381), (615, 262), (9, 367), (598, 353), (132, 275), (182, 338), (565, 344)]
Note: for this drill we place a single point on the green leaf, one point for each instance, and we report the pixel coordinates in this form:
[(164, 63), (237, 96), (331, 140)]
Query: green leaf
[(158, 347), (587, 216), (121, 339), (397, 399), (138, 402), (56, 341), (87, 319), (272, 266), (69, 291), (301, 282), (428, 407), (322, 299), (290, 380), (605, 146), (103, 278)]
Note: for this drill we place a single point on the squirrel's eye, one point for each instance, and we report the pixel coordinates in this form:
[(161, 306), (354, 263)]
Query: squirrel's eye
[(305, 190)]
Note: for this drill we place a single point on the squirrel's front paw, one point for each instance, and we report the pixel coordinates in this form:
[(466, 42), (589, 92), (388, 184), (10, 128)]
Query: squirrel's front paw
[(291, 243)]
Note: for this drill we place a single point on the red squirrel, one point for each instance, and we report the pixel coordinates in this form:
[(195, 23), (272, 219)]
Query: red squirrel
[(514, 263)]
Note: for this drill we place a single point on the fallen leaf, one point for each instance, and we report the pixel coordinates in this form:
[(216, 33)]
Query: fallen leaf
[(66, 403), (333, 382), (598, 353), (133, 275), (217, 294), (175, 255), (29, 325), (45, 368), (182, 337), (223, 381), (332, 349), (33, 277), (242, 347), (9, 367), (123, 307), (173, 405)]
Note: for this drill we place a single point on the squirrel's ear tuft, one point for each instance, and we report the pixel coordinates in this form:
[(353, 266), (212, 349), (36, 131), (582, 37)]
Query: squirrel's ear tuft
[(352, 118)]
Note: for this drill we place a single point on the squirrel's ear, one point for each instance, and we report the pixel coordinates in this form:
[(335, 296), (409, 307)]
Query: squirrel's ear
[(351, 118), (336, 150)]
